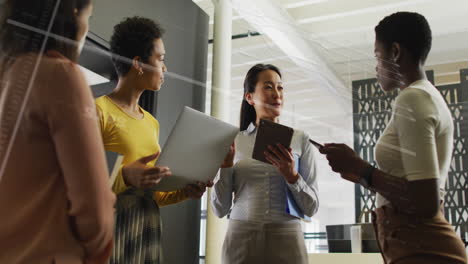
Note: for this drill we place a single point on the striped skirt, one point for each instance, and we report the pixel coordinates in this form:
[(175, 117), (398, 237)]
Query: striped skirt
[(137, 229)]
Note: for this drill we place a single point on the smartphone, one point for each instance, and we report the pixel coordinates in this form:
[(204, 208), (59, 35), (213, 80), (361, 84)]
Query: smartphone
[(318, 145)]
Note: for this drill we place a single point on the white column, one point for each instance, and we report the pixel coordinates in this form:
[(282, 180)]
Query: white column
[(220, 108), (221, 70)]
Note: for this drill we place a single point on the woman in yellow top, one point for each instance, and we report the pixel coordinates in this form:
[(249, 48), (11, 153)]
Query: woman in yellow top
[(138, 56)]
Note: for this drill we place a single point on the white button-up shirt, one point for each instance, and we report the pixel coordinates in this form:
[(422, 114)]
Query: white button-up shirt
[(256, 191)]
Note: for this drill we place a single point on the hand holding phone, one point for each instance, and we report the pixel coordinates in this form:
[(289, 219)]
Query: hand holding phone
[(318, 145)]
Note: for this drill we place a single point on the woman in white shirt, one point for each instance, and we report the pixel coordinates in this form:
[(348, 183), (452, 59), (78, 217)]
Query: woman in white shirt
[(255, 194), (413, 153)]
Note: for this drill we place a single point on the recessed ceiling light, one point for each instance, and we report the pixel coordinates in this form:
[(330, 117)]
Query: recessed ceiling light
[(304, 3)]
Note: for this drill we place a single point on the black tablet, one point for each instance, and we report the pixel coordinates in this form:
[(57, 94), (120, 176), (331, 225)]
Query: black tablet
[(270, 133)]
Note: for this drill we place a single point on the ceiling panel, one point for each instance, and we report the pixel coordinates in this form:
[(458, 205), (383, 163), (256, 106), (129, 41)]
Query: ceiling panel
[(342, 31)]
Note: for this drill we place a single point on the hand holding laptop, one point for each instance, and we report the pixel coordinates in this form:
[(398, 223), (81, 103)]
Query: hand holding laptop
[(196, 158), (196, 191), (140, 175), (228, 161)]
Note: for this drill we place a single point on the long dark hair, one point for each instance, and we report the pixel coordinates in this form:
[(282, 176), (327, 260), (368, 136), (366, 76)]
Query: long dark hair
[(24, 24), (247, 112)]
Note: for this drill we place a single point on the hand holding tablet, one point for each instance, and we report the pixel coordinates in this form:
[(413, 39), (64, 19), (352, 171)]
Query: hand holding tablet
[(270, 134)]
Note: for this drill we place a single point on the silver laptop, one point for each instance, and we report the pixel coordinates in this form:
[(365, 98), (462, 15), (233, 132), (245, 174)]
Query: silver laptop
[(195, 149)]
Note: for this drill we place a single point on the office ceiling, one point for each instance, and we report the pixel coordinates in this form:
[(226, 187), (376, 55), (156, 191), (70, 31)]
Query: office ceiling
[(340, 34)]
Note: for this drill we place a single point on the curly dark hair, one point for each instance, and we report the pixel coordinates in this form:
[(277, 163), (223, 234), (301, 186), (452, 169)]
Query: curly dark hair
[(132, 37), (247, 113), (410, 30)]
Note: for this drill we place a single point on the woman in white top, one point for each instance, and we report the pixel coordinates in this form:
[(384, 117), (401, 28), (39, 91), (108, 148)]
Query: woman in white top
[(413, 153), (255, 194)]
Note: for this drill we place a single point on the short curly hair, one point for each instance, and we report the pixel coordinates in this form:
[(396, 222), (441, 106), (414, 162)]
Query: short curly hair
[(132, 37), (410, 30)]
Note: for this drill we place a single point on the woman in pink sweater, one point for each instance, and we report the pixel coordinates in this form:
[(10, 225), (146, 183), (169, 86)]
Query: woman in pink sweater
[(56, 202)]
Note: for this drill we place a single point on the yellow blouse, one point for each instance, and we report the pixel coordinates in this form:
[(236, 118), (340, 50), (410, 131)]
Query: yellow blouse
[(134, 138)]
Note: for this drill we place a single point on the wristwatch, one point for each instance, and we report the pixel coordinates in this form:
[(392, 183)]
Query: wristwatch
[(366, 176)]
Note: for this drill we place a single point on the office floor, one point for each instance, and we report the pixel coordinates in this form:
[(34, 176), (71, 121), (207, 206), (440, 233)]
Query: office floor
[(348, 258)]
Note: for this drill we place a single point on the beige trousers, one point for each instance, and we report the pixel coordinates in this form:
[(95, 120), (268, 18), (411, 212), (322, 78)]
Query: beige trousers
[(274, 243)]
